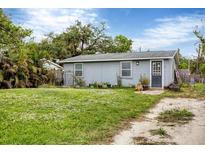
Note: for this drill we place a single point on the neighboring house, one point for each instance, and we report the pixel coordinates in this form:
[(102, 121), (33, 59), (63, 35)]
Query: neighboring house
[(157, 66), (49, 65)]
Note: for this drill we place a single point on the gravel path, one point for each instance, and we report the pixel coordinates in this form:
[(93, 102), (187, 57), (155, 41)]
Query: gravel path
[(192, 132)]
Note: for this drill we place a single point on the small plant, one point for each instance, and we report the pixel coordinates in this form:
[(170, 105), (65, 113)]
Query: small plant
[(175, 115), (79, 82), (160, 131), (104, 86), (144, 81), (108, 84), (100, 85)]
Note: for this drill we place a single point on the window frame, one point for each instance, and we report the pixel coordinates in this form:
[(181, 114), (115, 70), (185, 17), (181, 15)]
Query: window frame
[(156, 71), (121, 69), (78, 69)]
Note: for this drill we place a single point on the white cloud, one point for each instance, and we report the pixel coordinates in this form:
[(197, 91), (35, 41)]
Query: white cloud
[(168, 32), (43, 21)]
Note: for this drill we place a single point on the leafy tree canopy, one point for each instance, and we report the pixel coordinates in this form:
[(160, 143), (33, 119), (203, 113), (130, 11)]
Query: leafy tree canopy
[(84, 39)]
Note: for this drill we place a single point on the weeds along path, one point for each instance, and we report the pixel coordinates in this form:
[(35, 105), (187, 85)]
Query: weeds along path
[(172, 121)]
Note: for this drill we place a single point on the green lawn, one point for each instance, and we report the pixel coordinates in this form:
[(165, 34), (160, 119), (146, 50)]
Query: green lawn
[(73, 116), (67, 116)]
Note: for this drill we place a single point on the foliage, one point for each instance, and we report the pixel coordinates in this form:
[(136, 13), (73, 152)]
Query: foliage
[(11, 36), (100, 85), (79, 81), (160, 131), (192, 65), (175, 115), (183, 62), (21, 57), (84, 39), (200, 50), (144, 80), (198, 91), (20, 60), (122, 44)]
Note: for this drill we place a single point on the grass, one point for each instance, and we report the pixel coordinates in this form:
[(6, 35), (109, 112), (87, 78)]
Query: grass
[(198, 92), (73, 116), (67, 116), (175, 115), (160, 131)]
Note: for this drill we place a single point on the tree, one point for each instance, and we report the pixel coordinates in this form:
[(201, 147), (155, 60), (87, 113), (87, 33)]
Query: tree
[(84, 39), (19, 61), (200, 50), (11, 36), (122, 43), (183, 62)]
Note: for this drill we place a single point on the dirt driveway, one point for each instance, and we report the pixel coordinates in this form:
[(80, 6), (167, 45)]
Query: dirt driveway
[(192, 132)]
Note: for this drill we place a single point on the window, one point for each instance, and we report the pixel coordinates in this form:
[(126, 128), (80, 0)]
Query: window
[(156, 68), (126, 69), (78, 69)]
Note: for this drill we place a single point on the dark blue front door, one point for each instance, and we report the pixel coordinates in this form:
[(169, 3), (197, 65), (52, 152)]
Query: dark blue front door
[(156, 73)]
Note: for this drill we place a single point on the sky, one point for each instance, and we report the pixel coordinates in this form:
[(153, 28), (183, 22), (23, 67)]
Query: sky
[(150, 29)]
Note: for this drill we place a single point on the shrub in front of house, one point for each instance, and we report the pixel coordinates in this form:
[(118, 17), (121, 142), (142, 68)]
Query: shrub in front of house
[(79, 82), (144, 81), (100, 85)]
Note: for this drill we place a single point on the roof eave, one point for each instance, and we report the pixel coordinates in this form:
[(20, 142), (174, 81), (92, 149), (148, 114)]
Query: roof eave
[(105, 60)]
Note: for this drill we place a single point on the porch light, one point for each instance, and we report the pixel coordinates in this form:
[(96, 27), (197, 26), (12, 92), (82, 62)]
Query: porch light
[(137, 62)]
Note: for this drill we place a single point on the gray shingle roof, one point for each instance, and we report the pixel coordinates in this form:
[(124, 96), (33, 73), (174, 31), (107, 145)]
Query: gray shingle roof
[(121, 56)]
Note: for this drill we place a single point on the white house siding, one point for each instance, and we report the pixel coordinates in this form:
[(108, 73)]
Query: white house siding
[(68, 67), (101, 72), (168, 71), (142, 69), (108, 72)]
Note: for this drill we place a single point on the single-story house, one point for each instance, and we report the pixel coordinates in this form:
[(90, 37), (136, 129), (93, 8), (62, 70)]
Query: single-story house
[(158, 66)]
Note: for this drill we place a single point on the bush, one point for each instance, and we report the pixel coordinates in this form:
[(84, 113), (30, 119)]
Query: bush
[(104, 86), (100, 85), (79, 82), (1, 76), (144, 80), (5, 84), (108, 84), (20, 84)]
